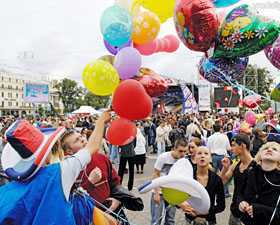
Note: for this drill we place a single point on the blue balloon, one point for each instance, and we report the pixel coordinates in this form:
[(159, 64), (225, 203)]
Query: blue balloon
[(224, 3), (116, 25), (220, 69)]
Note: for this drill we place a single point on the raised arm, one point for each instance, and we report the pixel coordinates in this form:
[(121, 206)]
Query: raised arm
[(96, 137)]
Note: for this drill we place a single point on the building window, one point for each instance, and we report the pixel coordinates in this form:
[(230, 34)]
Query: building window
[(10, 104), (2, 94), (16, 103), (16, 87), (2, 85), (10, 95), (3, 103), (16, 80), (10, 79), (17, 95)]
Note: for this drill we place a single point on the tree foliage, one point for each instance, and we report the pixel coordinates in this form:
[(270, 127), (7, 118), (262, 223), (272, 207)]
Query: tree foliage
[(258, 80), (73, 96), (96, 101), (70, 93)]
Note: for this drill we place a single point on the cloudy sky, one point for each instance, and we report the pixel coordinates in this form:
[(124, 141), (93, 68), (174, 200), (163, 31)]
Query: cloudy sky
[(59, 37)]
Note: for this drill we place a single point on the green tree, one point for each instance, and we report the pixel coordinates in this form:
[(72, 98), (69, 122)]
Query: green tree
[(258, 80), (95, 101), (70, 94)]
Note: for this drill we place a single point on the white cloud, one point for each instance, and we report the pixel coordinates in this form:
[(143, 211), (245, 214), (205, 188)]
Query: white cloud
[(60, 37)]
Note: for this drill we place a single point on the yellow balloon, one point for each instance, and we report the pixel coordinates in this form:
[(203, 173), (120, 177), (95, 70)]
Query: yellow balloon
[(100, 78), (146, 26), (163, 8), (174, 197)]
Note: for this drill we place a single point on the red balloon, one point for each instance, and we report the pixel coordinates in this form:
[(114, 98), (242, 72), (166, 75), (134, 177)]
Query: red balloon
[(121, 132), (131, 101), (197, 23), (154, 84), (252, 101)]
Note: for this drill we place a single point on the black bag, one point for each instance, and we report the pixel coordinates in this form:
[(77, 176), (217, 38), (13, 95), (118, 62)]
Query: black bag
[(128, 200)]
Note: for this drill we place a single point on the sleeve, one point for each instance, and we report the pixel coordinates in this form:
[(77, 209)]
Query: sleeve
[(71, 168), (227, 143), (250, 190), (159, 163), (264, 213), (220, 204)]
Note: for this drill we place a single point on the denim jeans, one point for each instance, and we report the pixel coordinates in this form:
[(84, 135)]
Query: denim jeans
[(157, 212), (160, 148), (217, 164), (114, 155)]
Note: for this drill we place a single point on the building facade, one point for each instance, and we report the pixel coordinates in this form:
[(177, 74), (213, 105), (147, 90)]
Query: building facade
[(12, 95)]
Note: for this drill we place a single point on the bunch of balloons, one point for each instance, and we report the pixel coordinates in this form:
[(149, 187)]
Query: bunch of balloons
[(130, 102), (169, 43)]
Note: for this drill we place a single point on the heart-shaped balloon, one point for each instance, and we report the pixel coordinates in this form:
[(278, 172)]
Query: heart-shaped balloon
[(197, 23), (127, 134), (153, 83), (131, 101), (275, 94), (245, 33), (272, 52), (252, 101), (220, 70)]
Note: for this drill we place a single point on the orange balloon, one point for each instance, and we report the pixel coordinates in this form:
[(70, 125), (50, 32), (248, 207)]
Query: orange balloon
[(102, 218), (146, 26)]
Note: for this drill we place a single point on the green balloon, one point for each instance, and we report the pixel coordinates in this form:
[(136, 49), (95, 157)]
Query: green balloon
[(173, 196), (244, 33), (275, 94)]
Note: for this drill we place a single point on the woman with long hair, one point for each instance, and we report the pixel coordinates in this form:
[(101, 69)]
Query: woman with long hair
[(261, 199), (214, 186)]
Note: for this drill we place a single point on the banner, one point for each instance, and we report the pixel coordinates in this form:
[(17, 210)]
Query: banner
[(36, 93), (204, 101), (189, 102)]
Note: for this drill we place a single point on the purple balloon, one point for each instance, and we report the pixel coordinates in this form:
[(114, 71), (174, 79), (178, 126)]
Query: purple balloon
[(114, 49), (128, 62), (272, 52)]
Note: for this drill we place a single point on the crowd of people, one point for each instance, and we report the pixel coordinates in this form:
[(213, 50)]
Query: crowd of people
[(220, 148)]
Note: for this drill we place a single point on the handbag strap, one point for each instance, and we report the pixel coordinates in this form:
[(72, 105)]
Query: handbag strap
[(273, 214)]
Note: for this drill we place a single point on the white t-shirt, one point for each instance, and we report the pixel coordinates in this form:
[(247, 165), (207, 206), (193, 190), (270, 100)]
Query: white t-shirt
[(71, 168), (164, 163), (218, 143)]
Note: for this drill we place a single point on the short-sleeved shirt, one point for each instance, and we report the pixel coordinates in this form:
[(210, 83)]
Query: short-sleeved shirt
[(164, 163), (71, 168)]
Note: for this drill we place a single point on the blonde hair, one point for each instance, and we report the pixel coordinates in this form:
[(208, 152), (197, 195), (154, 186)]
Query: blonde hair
[(57, 153), (267, 145), (209, 165)]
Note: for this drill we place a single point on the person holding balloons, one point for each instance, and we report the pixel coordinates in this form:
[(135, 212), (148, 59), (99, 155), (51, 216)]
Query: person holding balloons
[(162, 166)]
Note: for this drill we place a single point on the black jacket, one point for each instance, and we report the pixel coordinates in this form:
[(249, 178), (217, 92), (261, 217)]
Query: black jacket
[(262, 196), (215, 189)]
